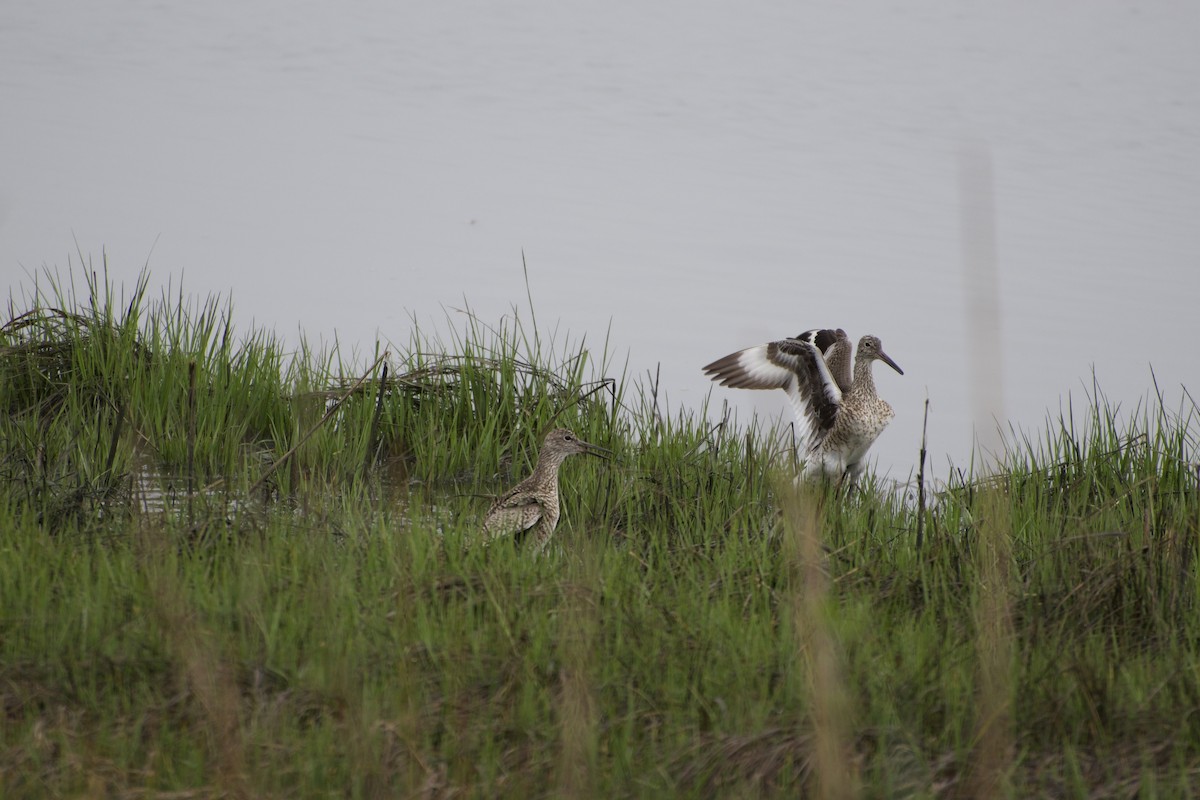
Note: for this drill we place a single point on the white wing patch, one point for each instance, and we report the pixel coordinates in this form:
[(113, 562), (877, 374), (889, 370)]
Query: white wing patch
[(750, 369)]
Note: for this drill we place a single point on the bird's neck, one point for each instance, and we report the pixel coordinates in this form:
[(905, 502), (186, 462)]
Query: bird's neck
[(548, 464), (864, 381)]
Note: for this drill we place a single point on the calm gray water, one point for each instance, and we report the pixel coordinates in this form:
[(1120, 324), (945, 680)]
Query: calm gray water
[(694, 177)]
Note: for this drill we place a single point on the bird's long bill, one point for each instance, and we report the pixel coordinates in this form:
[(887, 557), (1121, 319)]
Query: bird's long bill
[(888, 360), (594, 449)]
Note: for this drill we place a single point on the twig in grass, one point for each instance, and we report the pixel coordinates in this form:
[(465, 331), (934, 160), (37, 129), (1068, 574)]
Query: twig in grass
[(191, 440), (706, 439), (1083, 537), (450, 366), (921, 480), (112, 446), (325, 418), (991, 481), (655, 417), (528, 291), (603, 383), (372, 448)]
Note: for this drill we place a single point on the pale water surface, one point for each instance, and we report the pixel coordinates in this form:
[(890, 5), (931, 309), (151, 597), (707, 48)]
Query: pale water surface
[(694, 177)]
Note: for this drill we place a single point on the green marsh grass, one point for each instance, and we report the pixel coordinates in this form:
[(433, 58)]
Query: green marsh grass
[(697, 629)]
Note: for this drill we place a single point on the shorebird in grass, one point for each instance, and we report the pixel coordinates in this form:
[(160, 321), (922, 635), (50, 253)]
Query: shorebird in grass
[(530, 509), (841, 411)]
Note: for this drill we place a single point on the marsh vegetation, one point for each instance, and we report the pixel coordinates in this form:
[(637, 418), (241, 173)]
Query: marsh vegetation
[(227, 569)]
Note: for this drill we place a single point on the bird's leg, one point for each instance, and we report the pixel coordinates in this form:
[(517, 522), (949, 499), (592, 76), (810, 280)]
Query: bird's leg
[(539, 539), (847, 483)]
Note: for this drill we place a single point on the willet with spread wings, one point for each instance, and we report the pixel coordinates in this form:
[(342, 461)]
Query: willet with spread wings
[(842, 411)]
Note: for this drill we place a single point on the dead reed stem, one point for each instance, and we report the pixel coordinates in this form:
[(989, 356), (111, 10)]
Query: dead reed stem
[(372, 440), (191, 443), (921, 481)]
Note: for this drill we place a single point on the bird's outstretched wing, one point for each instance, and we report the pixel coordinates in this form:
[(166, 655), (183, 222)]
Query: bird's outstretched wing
[(795, 365)]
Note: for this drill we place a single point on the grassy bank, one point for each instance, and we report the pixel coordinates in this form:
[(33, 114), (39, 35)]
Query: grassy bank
[(231, 570)]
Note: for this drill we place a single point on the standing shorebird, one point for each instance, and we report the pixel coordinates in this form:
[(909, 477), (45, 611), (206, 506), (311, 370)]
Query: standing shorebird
[(842, 412), (530, 509)]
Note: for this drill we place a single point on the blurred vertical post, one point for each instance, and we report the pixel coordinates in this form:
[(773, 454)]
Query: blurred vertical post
[(833, 761), (992, 754), (984, 358)]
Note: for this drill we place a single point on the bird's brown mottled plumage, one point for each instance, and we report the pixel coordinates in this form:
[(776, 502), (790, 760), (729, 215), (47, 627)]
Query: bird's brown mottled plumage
[(531, 508)]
